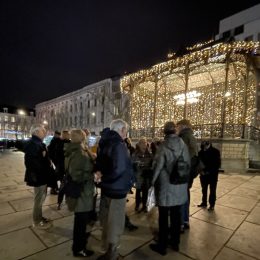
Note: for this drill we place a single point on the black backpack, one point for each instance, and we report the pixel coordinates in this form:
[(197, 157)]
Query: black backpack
[(180, 173)]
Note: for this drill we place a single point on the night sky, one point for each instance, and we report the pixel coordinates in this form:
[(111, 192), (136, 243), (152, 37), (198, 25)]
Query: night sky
[(49, 48)]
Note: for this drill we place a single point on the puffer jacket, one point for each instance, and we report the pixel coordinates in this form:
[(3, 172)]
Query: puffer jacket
[(114, 162), (80, 167), (168, 194)]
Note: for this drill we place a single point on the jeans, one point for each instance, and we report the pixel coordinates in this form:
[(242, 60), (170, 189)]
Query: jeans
[(112, 219), (185, 210), (39, 198)]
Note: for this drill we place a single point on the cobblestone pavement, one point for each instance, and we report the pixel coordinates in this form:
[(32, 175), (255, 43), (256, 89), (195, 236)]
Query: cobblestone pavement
[(231, 232)]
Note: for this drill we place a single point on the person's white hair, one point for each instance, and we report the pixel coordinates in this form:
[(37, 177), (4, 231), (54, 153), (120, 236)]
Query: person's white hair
[(118, 124), (35, 128)]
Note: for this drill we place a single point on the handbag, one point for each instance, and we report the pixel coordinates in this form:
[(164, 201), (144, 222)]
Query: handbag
[(71, 188)]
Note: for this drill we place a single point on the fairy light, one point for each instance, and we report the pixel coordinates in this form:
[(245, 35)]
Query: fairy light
[(206, 88)]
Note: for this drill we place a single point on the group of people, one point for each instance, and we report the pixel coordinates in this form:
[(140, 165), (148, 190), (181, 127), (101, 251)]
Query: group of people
[(115, 168)]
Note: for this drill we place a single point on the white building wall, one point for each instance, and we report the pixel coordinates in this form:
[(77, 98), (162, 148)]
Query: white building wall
[(250, 18)]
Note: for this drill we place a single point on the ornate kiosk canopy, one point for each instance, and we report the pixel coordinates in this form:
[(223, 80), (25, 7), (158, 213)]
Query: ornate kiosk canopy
[(214, 85)]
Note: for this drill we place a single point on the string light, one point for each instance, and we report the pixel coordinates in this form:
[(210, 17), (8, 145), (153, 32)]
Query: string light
[(158, 94)]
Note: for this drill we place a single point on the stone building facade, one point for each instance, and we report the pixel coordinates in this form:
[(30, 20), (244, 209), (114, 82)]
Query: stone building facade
[(15, 123), (92, 107)]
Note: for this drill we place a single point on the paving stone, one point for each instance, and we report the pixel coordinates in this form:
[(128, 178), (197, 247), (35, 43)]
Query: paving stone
[(146, 253), (208, 238), (15, 195), (245, 192), (254, 216), (251, 185), (15, 221), (63, 251), (19, 244), (237, 202), (203, 240), (246, 240), (229, 254), (12, 188), (222, 216), (60, 232), (5, 208)]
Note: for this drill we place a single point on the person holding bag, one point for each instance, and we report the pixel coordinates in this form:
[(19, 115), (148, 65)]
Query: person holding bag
[(79, 167), (170, 187)]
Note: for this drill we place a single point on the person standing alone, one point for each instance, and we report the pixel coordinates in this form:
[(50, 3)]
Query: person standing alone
[(211, 161)]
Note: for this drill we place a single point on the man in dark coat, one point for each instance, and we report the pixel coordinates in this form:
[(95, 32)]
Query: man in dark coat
[(114, 163), (37, 166), (211, 161)]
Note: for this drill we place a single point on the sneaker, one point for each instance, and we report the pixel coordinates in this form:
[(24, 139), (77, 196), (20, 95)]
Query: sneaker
[(83, 253), (59, 207), (42, 225), (202, 205)]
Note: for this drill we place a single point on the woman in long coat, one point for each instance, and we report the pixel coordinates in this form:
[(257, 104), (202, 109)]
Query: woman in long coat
[(169, 197), (79, 166)]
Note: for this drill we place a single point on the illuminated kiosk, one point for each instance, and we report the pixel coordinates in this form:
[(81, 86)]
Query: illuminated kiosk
[(215, 85)]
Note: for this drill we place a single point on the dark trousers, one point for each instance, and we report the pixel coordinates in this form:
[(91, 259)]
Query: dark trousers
[(141, 196), (211, 181), (61, 193), (81, 219), (175, 226)]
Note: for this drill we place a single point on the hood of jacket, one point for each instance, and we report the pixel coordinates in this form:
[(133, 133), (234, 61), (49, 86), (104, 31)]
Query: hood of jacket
[(172, 142)]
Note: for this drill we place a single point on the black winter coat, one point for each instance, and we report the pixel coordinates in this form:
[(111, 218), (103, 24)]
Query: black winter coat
[(114, 162), (211, 160), (37, 165)]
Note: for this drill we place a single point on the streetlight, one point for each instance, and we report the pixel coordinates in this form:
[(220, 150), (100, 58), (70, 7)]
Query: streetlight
[(21, 112), (20, 124)]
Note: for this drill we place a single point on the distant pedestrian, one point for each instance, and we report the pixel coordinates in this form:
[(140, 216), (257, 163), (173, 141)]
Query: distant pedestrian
[(37, 170), (211, 162)]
